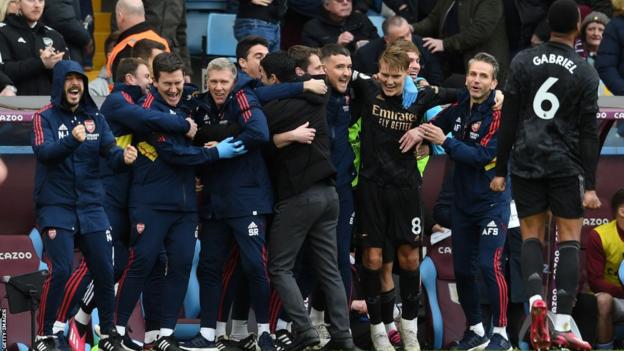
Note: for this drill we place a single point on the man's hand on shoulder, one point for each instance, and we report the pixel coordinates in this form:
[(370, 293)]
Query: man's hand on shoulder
[(192, 128), (316, 86)]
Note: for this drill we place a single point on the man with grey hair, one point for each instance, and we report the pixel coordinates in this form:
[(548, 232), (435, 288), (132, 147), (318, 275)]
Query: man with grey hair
[(366, 59), (130, 17), (237, 198)]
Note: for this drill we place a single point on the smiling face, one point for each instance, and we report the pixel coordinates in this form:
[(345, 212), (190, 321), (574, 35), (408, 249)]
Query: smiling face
[(32, 9), (220, 84), (391, 79), (73, 89), (414, 67), (593, 34), (480, 81), (170, 85), (338, 70), (141, 78)]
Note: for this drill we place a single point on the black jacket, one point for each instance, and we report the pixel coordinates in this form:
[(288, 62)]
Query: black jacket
[(298, 166), (64, 16), (322, 30), (19, 50), (366, 60)]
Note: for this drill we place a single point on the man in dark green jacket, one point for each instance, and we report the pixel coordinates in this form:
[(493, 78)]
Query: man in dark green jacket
[(466, 27)]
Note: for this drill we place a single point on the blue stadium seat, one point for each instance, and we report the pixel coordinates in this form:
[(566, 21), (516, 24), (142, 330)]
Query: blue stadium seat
[(196, 21), (377, 21), (220, 38)]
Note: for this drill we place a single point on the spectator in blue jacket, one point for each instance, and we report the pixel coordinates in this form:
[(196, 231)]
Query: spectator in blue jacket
[(68, 135), (610, 58), (480, 216), (163, 204)]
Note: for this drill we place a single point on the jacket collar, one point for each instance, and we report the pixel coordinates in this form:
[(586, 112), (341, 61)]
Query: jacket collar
[(134, 91)]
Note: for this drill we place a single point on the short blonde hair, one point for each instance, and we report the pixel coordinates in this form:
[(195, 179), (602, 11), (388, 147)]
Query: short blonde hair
[(395, 58)]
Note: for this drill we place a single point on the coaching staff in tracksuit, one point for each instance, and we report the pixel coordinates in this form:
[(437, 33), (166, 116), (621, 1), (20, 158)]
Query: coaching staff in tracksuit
[(307, 208), (125, 117), (480, 216), (237, 196), (68, 135), (163, 204)]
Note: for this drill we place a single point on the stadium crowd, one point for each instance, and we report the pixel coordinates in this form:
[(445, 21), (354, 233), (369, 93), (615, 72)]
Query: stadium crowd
[(299, 169)]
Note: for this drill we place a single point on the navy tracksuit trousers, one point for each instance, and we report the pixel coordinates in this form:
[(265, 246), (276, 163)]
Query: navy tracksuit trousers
[(478, 244), (217, 238), (151, 230), (59, 255)]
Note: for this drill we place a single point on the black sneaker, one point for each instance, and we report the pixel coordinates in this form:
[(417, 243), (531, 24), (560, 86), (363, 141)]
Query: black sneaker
[(499, 343), (45, 344), (167, 343), (471, 341), (130, 345), (112, 342), (247, 344), (61, 343), (283, 339), (199, 343), (266, 342), (344, 344), (303, 339), (224, 344)]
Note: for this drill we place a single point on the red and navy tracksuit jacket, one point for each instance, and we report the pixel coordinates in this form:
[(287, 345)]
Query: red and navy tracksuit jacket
[(69, 194), (163, 213), (238, 186), (480, 216), (124, 117)]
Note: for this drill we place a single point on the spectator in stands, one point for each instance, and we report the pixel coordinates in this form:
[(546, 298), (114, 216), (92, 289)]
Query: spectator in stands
[(592, 27), (147, 50), (366, 58), (133, 28), (457, 33), (168, 18), (260, 17), (29, 63), (8, 6), (64, 16), (604, 251), (610, 57), (339, 24), (101, 85)]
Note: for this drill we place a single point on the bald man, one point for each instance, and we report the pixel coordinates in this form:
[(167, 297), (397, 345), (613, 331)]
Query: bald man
[(130, 17)]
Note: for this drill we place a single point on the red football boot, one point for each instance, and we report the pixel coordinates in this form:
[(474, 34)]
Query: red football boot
[(540, 335)]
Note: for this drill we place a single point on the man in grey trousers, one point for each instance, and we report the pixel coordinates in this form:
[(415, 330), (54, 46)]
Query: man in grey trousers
[(307, 206)]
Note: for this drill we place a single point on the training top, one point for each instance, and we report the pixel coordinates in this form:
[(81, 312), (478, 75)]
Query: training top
[(384, 122), (550, 115)]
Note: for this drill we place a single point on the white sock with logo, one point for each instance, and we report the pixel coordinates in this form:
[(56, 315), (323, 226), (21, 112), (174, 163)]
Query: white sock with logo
[(58, 327), (164, 332), (220, 329)]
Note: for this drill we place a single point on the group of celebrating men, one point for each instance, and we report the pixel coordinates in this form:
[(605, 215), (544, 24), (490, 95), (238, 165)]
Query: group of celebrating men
[(266, 149)]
